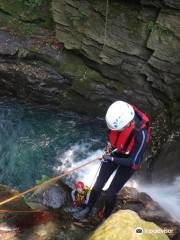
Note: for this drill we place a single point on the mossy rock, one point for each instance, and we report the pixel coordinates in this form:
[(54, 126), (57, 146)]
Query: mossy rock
[(85, 79), (122, 226), (25, 16)]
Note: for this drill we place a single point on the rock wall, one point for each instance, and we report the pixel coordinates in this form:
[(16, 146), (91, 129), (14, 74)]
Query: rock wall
[(133, 43), (25, 16), (127, 49), (167, 161)]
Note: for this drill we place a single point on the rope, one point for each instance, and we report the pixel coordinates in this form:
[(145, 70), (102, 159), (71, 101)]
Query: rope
[(106, 22), (45, 183), (22, 211), (95, 175)]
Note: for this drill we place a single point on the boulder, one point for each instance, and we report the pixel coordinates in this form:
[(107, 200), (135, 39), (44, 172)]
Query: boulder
[(126, 224), (50, 196), (147, 209)]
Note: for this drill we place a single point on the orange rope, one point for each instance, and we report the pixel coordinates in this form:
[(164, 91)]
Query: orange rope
[(22, 211), (43, 184)]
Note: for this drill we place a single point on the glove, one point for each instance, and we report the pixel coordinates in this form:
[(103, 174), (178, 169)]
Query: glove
[(107, 158), (107, 150)]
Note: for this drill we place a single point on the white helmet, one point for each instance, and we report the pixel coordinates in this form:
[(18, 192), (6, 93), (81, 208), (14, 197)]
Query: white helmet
[(118, 115)]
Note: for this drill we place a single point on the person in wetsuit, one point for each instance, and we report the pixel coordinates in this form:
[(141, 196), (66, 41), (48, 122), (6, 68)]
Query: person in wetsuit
[(128, 135)]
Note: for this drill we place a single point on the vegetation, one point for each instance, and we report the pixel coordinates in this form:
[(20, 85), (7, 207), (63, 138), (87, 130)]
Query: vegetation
[(25, 17), (33, 3), (157, 27), (43, 179), (81, 17)]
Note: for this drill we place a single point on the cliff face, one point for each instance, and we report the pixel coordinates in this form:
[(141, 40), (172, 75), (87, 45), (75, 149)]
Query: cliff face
[(133, 44), (112, 50)]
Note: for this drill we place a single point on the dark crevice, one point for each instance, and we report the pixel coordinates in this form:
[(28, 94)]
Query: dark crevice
[(129, 2), (28, 59), (157, 4), (154, 22), (35, 21), (157, 93), (4, 12)]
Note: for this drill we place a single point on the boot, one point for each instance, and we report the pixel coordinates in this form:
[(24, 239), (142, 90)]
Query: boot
[(82, 214), (73, 210)]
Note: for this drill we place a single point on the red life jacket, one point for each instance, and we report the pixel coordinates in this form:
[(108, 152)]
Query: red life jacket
[(124, 140)]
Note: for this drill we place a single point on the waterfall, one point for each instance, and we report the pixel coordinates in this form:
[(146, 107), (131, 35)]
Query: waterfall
[(166, 194)]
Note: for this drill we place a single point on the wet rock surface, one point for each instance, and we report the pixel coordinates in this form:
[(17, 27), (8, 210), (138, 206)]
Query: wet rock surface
[(24, 69), (40, 223), (51, 196), (167, 160), (147, 209), (45, 223)]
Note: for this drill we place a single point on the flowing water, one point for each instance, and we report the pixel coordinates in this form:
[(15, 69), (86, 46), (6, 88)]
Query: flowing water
[(36, 142), (167, 194)]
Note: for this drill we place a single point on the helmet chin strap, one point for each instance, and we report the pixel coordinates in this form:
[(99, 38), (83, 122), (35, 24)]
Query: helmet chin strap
[(132, 122)]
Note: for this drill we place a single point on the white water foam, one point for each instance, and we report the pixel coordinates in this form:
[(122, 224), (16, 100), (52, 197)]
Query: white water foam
[(89, 173), (67, 161), (167, 195)]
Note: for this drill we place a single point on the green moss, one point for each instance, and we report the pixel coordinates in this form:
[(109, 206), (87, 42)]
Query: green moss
[(74, 66), (86, 85), (23, 14), (160, 32), (33, 3), (82, 75), (17, 27), (84, 79)]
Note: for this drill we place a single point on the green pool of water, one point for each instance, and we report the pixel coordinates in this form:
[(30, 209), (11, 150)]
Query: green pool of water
[(36, 142)]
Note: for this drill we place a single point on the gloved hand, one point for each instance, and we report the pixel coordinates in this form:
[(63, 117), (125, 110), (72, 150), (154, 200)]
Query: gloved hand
[(107, 158), (108, 149)]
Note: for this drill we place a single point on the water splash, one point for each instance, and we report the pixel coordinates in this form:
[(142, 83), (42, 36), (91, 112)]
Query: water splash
[(71, 159), (167, 195)]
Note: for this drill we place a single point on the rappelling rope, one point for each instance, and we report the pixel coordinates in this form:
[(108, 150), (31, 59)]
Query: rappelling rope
[(94, 179), (106, 22), (23, 211), (53, 179)]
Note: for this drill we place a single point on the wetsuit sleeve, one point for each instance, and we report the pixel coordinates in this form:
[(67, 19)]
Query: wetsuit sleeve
[(136, 156), (73, 193)]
